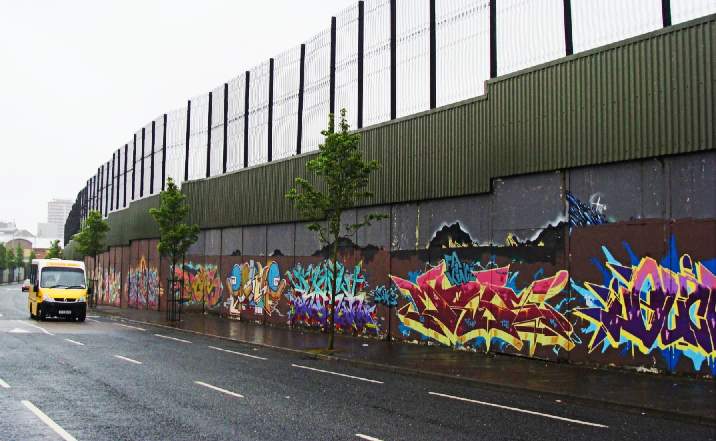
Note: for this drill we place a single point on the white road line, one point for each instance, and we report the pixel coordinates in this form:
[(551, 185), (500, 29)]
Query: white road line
[(172, 338), (47, 420), (369, 438), (35, 326), (130, 327), (223, 391), (75, 342), (516, 409), (336, 373), (92, 320), (238, 353), (3, 384), (128, 359), (93, 316)]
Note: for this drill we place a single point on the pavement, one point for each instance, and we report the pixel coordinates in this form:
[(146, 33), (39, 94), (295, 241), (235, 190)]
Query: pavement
[(112, 378)]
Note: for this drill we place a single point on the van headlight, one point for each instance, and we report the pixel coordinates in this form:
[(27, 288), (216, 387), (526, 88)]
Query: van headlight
[(82, 299), (47, 299)]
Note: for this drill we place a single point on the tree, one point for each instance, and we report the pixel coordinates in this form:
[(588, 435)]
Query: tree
[(19, 257), (90, 239), (55, 252), (175, 235), (31, 257), (343, 180), (10, 259), (3, 257)]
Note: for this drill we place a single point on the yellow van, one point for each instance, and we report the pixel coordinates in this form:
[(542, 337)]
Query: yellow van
[(58, 288)]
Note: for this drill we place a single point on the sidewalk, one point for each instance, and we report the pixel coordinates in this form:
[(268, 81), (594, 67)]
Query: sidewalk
[(669, 396)]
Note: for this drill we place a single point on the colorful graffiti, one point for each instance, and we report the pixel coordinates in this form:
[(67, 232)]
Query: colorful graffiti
[(109, 287), (309, 297), (650, 306), (581, 214), (251, 285), (473, 313), (201, 283), (143, 286)]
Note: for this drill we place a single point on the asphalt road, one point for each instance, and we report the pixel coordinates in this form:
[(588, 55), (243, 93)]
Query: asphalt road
[(110, 380)]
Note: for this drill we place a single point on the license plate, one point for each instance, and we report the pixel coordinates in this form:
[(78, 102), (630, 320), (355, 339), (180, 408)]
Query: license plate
[(64, 312)]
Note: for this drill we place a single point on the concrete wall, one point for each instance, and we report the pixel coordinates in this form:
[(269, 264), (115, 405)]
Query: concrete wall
[(603, 265)]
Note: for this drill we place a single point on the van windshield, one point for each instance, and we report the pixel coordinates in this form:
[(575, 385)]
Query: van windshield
[(55, 277)]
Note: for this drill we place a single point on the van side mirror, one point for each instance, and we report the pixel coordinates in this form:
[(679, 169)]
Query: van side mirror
[(36, 287)]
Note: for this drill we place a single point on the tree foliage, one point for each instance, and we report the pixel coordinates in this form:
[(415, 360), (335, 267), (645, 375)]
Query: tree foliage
[(10, 259), (90, 239), (342, 176), (175, 235), (55, 252), (19, 257), (31, 257), (3, 257)]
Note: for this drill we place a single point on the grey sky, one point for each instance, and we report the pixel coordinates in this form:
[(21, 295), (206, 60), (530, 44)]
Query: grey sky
[(78, 77)]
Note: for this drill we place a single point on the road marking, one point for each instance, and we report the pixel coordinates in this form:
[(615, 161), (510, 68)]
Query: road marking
[(75, 342), (369, 438), (92, 320), (336, 373), (172, 338), (131, 327), (47, 420), (516, 409), (93, 316), (18, 331), (224, 391), (128, 359), (238, 353), (3, 384), (38, 327)]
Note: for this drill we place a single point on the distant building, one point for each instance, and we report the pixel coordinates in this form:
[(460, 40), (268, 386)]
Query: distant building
[(57, 212), (11, 237)]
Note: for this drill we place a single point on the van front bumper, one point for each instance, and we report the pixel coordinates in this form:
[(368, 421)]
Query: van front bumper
[(64, 309)]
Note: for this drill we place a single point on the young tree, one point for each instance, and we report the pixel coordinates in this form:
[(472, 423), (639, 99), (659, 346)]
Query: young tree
[(55, 252), (19, 257), (175, 236), (10, 259), (343, 177), (3, 257), (31, 257), (90, 239)]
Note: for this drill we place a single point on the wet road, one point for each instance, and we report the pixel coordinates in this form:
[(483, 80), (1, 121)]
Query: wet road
[(111, 380)]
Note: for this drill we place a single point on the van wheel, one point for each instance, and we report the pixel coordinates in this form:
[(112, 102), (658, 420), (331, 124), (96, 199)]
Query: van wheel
[(40, 314), (81, 318), (32, 316)]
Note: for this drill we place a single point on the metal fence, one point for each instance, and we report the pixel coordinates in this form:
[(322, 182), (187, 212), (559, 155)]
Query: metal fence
[(380, 60)]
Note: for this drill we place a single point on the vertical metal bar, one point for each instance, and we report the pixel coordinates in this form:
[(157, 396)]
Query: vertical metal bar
[(270, 111), (186, 141), (141, 170), (393, 59), (568, 41), (134, 165), (666, 12), (433, 57), (301, 80), (208, 136), (246, 119), (164, 151), (119, 175), (151, 162), (493, 38), (226, 123), (332, 72), (111, 197), (126, 156), (361, 50), (106, 192)]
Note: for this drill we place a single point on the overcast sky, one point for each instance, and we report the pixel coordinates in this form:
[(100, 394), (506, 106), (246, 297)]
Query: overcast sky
[(78, 77)]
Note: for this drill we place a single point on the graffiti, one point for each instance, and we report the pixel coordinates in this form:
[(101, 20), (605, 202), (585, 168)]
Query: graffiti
[(451, 236), (109, 286), (649, 306), (309, 297), (595, 202), (581, 214), (385, 296), (251, 285), (201, 283), (143, 285), (476, 312)]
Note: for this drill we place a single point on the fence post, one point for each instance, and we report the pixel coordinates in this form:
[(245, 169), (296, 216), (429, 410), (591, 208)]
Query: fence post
[(151, 161), (208, 136), (270, 111), (226, 123), (141, 170), (101, 181), (126, 155), (134, 164), (493, 38), (301, 80), (164, 150), (106, 192), (186, 141), (433, 57), (246, 119), (666, 12), (119, 174), (361, 50), (393, 59), (111, 197), (332, 72), (568, 41)]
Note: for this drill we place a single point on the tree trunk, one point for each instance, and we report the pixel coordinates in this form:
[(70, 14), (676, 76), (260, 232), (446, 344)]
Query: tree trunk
[(390, 313), (331, 312), (93, 296)]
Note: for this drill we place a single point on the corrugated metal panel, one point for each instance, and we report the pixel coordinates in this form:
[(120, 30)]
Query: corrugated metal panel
[(133, 223), (648, 96)]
